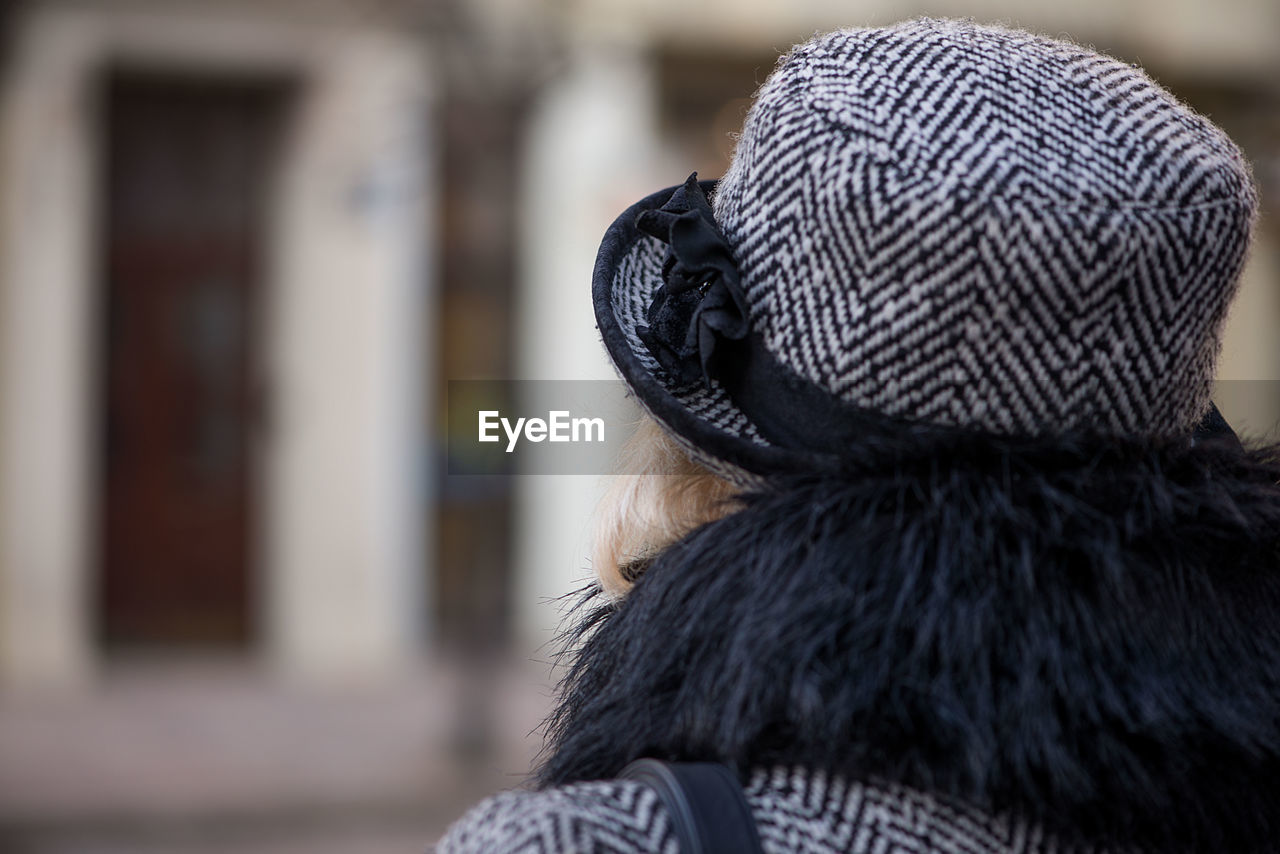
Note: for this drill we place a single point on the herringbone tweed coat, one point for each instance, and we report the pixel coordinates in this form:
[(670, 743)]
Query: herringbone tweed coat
[(795, 811), (980, 645)]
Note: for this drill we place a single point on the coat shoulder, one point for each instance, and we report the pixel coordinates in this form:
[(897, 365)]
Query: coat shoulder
[(606, 815), (800, 810), (795, 810)]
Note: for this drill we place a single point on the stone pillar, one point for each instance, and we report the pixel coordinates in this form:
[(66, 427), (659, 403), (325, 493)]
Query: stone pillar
[(46, 360), (591, 149), (346, 481)]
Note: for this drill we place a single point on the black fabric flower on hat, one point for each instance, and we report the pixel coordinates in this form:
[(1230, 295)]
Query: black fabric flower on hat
[(700, 306)]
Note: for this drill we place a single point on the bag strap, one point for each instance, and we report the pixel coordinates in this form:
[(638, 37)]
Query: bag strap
[(708, 810)]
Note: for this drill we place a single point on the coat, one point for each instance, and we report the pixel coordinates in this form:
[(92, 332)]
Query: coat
[(962, 643)]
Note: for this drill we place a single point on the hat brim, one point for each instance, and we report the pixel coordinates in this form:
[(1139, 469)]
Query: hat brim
[(702, 417)]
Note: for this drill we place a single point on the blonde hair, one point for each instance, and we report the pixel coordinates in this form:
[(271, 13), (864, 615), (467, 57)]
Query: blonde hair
[(659, 496)]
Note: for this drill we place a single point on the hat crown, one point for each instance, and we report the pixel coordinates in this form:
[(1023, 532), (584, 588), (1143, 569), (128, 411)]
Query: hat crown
[(976, 226)]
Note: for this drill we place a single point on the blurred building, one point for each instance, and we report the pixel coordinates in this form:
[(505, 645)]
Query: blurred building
[(245, 243), (215, 276)]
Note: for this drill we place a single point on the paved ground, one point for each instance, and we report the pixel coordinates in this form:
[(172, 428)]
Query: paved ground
[(206, 757)]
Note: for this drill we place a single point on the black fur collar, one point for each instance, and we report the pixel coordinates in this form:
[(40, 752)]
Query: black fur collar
[(1083, 632)]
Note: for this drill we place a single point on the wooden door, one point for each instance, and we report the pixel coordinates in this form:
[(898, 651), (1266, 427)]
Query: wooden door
[(187, 167)]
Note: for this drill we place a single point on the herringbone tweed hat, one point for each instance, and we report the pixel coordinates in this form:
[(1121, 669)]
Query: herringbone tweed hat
[(935, 223)]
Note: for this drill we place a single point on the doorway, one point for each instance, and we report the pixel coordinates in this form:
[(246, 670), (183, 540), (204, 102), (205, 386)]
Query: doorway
[(187, 167)]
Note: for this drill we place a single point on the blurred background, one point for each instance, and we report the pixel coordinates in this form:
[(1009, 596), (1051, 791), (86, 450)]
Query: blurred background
[(243, 248)]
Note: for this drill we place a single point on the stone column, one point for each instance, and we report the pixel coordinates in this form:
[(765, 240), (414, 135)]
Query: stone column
[(590, 152), (346, 482)]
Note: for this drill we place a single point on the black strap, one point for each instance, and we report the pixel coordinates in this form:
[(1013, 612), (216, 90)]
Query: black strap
[(708, 811), (1214, 426)]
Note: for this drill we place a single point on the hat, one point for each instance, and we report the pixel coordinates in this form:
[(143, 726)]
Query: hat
[(938, 223)]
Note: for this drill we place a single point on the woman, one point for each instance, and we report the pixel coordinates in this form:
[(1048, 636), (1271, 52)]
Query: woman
[(958, 555)]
